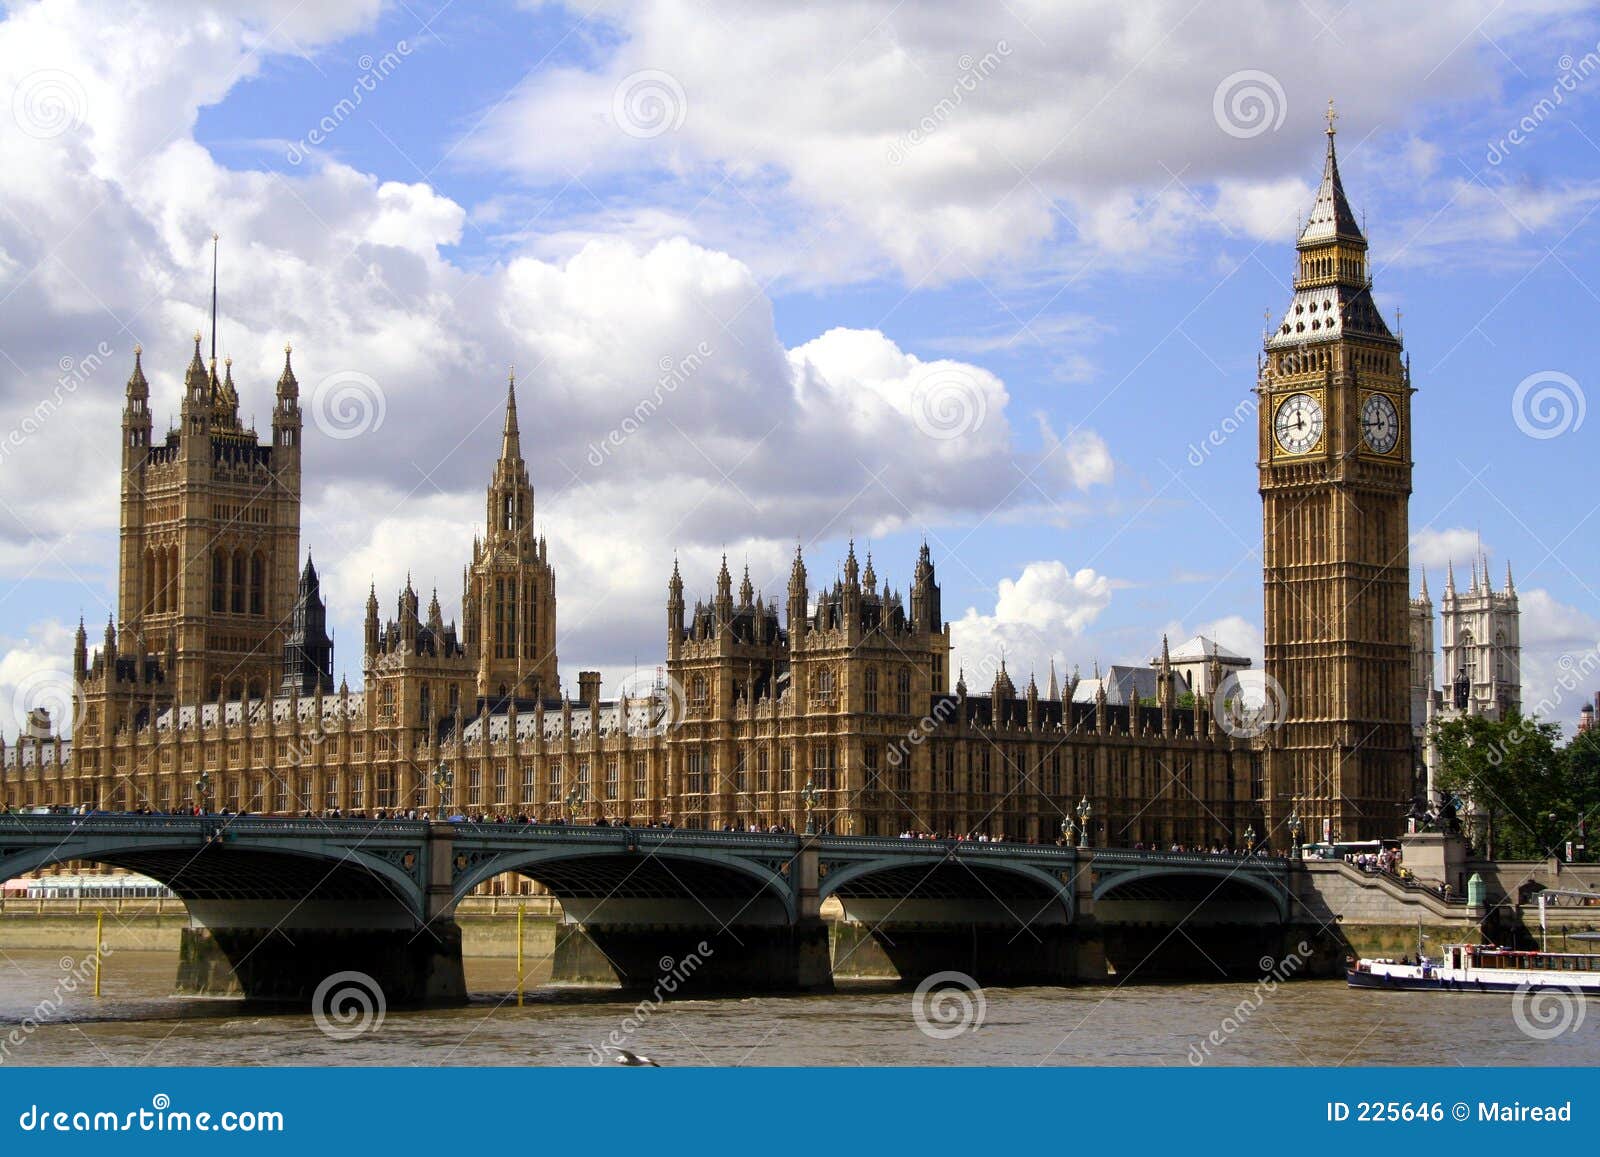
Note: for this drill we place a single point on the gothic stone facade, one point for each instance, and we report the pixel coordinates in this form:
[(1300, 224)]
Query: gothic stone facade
[(1335, 476), (222, 667), (848, 691)]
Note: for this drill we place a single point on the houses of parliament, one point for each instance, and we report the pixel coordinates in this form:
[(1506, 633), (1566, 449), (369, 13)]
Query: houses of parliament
[(214, 684)]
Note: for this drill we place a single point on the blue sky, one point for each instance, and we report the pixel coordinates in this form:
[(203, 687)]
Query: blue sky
[(1080, 240)]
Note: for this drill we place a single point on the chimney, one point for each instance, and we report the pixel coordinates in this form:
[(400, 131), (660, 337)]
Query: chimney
[(588, 687)]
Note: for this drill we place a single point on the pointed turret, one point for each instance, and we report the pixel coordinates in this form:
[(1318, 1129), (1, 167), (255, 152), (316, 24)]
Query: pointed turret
[(1511, 587), (674, 612), (869, 577), (926, 613), (136, 414), (510, 435), (372, 621), (80, 653), (798, 596), (723, 606), (1450, 579), (308, 650), (287, 424), (747, 591), (1054, 693), (1331, 217)]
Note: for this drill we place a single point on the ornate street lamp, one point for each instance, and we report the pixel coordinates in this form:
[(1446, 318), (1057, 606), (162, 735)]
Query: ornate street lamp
[(1068, 832), (202, 790), (1084, 812), (574, 802), (1293, 824), (809, 796), (1249, 839), (443, 777)]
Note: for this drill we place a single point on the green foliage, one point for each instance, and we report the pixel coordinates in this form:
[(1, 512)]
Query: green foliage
[(1533, 792)]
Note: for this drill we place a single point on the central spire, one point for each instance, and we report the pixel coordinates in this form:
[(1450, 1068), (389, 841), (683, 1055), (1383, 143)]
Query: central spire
[(511, 437), (1331, 218)]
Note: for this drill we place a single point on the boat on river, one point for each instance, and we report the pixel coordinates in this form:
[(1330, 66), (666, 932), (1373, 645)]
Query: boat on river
[(1481, 968)]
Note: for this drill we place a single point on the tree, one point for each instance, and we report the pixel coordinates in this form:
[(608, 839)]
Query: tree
[(1512, 772)]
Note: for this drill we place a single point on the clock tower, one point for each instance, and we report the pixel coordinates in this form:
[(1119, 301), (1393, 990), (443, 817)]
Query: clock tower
[(1334, 398)]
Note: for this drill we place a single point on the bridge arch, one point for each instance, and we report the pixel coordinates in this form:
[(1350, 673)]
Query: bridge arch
[(1189, 883), (206, 859), (944, 875), (593, 881)]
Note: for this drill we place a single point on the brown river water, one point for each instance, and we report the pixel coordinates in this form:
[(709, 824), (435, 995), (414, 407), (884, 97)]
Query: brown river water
[(137, 1022)]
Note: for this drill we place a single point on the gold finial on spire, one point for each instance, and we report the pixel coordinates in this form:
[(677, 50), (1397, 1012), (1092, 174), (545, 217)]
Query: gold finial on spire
[(287, 348), (197, 338), (511, 373), (1332, 116), (137, 349)]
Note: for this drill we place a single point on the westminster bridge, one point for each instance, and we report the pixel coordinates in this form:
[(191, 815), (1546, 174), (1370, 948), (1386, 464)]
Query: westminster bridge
[(278, 904)]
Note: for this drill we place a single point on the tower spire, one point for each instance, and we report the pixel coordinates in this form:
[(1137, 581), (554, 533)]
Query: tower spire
[(511, 436), (1331, 217), (213, 299)]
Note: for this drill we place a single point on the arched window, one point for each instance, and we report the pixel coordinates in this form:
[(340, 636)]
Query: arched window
[(425, 711), (219, 582), (236, 588), (171, 599), (871, 691), (697, 693), (1502, 661), (152, 581), (902, 691)]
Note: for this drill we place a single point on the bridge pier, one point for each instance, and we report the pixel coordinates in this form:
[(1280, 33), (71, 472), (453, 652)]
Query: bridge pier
[(674, 960), (992, 954), (285, 950)]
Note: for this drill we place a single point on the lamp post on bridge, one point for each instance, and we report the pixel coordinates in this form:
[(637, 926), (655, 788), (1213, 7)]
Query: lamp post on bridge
[(202, 791), (443, 777), (1085, 810), (809, 795), (1293, 824), (574, 801), (1069, 834), (1250, 839)]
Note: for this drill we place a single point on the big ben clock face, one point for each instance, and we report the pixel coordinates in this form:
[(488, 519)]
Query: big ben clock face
[(1380, 423), (1298, 423)]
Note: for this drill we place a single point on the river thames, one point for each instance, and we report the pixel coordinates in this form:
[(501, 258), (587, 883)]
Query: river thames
[(137, 1022)]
